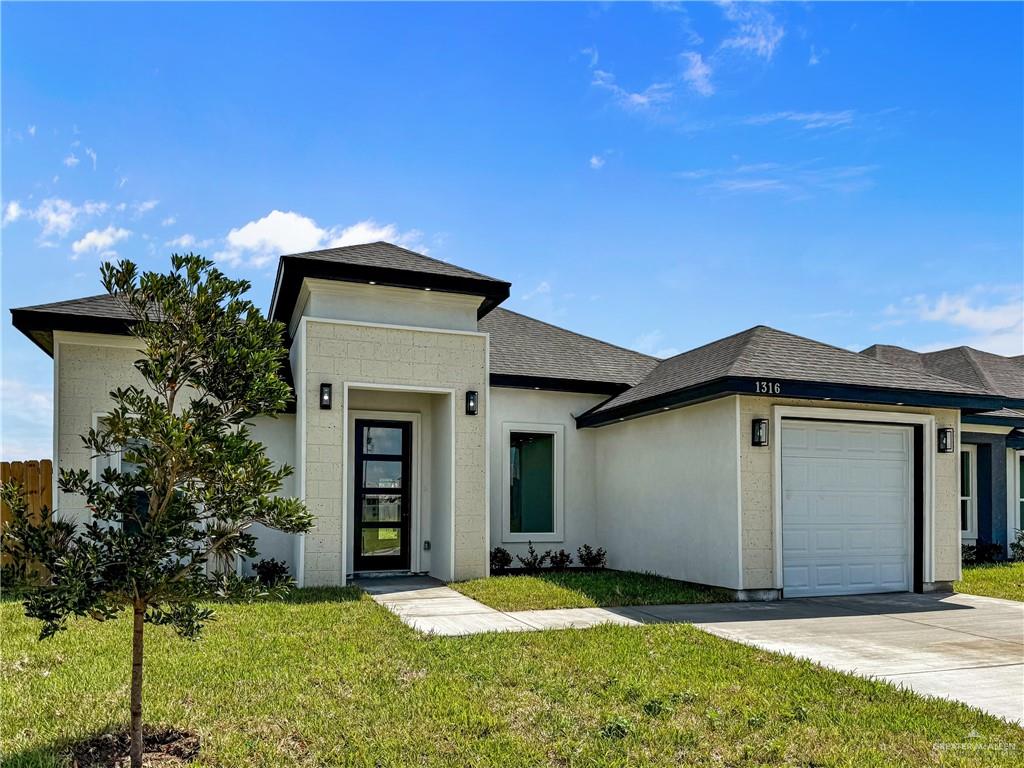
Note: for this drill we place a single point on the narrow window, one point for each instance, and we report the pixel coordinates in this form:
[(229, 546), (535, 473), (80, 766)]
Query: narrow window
[(532, 487), (968, 492)]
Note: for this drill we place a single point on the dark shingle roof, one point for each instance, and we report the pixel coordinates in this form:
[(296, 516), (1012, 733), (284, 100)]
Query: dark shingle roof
[(91, 314), (383, 264), (389, 256), (766, 353), (524, 347), (984, 370), (103, 305)]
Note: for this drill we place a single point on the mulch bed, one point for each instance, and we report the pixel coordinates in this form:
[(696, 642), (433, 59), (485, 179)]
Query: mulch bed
[(163, 747)]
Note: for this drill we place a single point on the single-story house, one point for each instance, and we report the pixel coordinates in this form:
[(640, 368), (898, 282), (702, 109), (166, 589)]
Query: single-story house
[(432, 425), (991, 443)]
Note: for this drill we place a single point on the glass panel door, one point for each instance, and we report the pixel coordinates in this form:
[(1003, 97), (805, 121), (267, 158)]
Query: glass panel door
[(382, 495)]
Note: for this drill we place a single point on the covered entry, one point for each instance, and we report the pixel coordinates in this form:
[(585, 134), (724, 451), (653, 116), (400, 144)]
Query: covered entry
[(847, 508)]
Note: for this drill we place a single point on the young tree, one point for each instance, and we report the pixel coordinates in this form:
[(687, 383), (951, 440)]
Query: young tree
[(191, 479)]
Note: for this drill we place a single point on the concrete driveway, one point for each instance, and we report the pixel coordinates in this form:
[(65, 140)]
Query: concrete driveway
[(960, 647)]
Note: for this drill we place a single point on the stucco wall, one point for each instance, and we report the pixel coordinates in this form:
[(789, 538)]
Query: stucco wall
[(340, 352), (87, 368), (278, 438), (758, 491), (338, 300), (578, 488), (667, 493)]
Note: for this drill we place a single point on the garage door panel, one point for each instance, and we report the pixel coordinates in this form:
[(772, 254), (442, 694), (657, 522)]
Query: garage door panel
[(846, 508)]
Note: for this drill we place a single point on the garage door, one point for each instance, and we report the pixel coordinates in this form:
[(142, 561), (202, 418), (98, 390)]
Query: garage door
[(846, 508)]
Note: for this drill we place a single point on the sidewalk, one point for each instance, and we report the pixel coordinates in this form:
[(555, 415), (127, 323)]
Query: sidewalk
[(428, 605)]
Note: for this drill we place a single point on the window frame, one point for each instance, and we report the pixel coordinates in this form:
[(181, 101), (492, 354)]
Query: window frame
[(558, 452), (971, 532), (1019, 506)]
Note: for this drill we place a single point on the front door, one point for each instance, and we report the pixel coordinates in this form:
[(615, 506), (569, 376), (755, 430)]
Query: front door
[(383, 480)]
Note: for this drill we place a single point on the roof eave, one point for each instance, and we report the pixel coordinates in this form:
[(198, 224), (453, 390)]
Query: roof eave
[(790, 389), (292, 270), (39, 325), (996, 421), (555, 384)]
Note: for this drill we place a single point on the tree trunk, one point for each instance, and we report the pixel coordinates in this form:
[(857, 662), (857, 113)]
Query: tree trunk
[(136, 693)]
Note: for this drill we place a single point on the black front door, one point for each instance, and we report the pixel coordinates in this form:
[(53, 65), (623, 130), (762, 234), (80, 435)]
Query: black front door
[(383, 480)]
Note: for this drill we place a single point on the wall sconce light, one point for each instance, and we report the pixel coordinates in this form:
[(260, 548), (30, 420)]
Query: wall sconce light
[(325, 396), (759, 432), (472, 402), (945, 439)]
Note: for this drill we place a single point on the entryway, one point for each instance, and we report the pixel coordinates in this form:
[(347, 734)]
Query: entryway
[(383, 495)]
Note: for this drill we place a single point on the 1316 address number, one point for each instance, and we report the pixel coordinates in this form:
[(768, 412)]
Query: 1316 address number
[(767, 387)]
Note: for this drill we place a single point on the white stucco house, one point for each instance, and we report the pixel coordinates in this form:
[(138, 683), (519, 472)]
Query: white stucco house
[(431, 425)]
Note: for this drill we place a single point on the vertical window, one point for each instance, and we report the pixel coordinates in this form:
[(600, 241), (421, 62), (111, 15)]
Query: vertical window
[(1020, 491), (532, 467), (120, 462), (532, 503), (968, 492)]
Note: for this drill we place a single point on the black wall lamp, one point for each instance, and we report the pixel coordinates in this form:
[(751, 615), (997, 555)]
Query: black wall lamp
[(945, 439), (759, 432), (325, 396), (472, 402)]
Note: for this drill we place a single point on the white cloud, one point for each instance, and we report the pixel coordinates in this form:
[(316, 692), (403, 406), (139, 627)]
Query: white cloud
[(592, 54), (71, 160), (281, 232), (798, 181), (651, 96), (58, 216), (988, 317), (755, 30), (31, 130), (12, 212), (369, 231), (697, 73), (185, 241), (28, 421), (145, 206), (650, 343), (807, 120), (596, 162), (543, 287), (92, 156), (169, 221), (101, 240), (814, 59)]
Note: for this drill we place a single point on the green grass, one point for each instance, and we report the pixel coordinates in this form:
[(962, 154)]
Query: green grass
[(585, 589), (331, 679), (1004, 580)]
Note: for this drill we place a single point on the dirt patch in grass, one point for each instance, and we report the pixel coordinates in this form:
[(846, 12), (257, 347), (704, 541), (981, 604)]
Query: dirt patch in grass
[(163, 747)]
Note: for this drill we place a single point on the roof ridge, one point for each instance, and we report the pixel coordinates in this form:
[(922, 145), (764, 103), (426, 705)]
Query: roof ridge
[(400, 248), (66, 301), (581, 335), (752, 333), (969, 353)]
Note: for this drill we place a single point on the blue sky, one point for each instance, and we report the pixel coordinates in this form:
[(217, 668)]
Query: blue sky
[(657, 176)]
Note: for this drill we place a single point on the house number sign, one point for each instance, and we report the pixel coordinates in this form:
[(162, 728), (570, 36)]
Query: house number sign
[(767, 387)]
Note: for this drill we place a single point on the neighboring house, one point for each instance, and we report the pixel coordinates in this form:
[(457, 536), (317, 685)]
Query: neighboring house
[(431, 425), (991, 444)]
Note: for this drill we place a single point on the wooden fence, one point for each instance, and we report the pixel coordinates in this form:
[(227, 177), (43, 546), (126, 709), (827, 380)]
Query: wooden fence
[(36, 477)]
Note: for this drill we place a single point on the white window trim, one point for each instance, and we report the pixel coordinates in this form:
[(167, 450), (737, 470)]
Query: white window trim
[(558, 430), (971, 532)]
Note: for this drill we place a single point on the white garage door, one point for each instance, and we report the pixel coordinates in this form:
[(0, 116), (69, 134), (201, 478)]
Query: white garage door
[(846, 509)]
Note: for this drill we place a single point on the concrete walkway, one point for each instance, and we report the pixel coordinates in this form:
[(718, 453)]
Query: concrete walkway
[(961, 647)]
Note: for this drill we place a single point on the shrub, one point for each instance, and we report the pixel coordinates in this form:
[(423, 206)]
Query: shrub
[(982, 552), (591, 557), (533, 561), (501, 559), (271, 572), (561, 559), (1017, 546)]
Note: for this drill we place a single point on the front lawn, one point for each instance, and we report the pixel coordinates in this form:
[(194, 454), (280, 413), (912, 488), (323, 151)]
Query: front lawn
[(331, 679), (585, 589), (1004, 580)]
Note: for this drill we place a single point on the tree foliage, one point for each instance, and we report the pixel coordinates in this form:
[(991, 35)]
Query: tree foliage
[(185, 481)]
